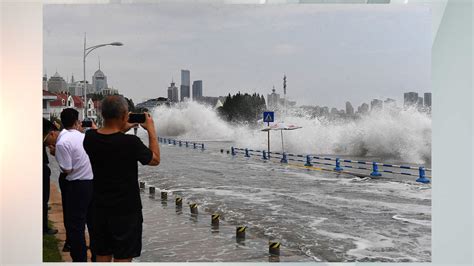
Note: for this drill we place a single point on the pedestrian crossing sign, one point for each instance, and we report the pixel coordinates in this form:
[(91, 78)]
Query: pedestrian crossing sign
[(268, 117)]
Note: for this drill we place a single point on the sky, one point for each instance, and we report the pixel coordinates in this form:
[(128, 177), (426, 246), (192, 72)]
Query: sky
[(330, 53)]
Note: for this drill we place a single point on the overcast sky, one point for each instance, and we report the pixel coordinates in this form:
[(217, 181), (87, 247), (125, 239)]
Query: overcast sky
[(330, 53)]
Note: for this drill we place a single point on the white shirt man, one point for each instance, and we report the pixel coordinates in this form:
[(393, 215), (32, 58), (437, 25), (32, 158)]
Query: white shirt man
[(71, 155)]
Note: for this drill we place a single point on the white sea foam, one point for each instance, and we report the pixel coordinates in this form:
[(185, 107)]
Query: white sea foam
[(400, 135)]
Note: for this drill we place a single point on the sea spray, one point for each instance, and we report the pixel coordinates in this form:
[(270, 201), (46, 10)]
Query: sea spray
[(389, 134)]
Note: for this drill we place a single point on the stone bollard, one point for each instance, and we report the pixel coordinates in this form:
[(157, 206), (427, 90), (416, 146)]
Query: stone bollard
[(283, 158), (164, 195), (179, 202), (194, 208), (215, 220), (247, 153), (142, 185), (240, 233), (194, 145), (264, 155), (180, 143), (232, 151), (202, 146), (274, 248), (151, 190), (308, 161)]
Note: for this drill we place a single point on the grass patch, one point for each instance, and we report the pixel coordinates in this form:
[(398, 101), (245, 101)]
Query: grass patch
[(50, 248)]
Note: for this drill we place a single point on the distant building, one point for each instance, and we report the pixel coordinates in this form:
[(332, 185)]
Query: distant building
[(109, 91), (334, 111), (66, 101), (376, 104), (420, 102), (197, 89), (428, 99), (349, 109), (173, 93), (57, 84), (45, 82), (185, 84), (324, 110), (48, 97), (410, 99), (273, 100), (363, 108), (390, 103), (99, 81)]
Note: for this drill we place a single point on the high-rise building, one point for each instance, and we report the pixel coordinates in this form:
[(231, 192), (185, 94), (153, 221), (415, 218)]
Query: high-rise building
[(349, 108), (273, 99), (197, 89), (420, 102), (173, 93), (363, 109), (99, 81), (376, 104), (45, 82), (428, 99), (185, 84), (410, 99), (56, 83)]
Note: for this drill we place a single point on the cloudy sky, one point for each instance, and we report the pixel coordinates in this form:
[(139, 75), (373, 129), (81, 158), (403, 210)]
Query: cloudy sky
[(330, 53)]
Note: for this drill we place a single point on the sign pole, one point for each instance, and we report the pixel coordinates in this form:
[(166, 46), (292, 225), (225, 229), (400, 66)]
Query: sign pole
[(268, 123)]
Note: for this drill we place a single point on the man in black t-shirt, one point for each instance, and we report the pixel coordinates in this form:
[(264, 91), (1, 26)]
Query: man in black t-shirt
[(114, 156)]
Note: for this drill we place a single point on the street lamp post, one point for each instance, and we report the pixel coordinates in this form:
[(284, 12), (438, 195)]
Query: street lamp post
[(87, 51)]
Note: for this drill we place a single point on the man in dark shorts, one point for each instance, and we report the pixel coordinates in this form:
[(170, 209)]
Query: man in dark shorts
[(114, 155)]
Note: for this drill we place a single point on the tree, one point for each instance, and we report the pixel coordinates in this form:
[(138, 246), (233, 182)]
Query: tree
[(243, 107)]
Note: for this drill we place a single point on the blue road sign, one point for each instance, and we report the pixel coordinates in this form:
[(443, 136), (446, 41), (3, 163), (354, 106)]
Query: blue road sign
[(268, 116)]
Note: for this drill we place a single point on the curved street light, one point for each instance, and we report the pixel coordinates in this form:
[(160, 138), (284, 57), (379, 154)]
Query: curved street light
[(87, 51)]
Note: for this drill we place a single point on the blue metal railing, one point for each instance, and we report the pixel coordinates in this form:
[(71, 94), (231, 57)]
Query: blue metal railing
[(309, 160)]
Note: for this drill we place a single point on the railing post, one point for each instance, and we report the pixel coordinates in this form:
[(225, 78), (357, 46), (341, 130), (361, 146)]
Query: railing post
[(232, 151), (169, 141), (308, 161), (338, 165), (375, 170), (187, 144), (422, 179), (264, 155), (194, 145), (174, 142), (180, 144), (283, 158), (247, 152), (202, 146)]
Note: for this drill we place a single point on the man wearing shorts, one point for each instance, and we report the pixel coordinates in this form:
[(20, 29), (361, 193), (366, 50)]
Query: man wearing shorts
[(114, 155)]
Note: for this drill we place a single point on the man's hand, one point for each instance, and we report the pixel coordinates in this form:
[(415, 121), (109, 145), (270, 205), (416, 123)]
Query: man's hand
[(94, 126), (128, 126), (52, 150), (149, 124)]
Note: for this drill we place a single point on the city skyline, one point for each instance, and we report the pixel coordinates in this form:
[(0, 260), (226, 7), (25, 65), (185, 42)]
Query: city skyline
[(337, 62)]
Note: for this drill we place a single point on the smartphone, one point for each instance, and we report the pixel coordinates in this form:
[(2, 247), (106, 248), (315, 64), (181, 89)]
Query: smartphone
[(136, 118), (87, 123)]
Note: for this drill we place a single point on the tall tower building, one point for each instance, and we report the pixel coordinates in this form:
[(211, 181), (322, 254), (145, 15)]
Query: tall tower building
[(185, 84), (428, 99), (57, 83), (99, 81), (173, 93), (197, 89), (410, 99), (45, 82), (376, 104), (349, 108)]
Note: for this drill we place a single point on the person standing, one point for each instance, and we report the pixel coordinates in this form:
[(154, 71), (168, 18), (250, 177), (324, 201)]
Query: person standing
[(74, 163), (114, 157), (49, 129)]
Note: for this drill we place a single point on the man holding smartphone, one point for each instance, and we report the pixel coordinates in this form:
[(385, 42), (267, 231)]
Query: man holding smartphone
[(114, 155)]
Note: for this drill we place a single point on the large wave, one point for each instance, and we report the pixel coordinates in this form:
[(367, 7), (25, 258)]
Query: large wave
[(389, 134)]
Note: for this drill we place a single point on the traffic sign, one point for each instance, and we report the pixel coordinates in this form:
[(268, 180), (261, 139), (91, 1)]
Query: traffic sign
[(268, 117)]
